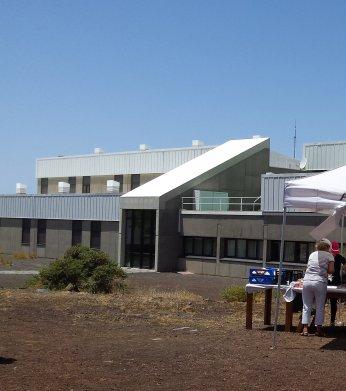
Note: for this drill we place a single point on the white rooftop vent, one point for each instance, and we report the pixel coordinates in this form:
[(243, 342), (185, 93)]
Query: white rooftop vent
[(113, 186), (21, 188), (143, 147), (63, 187), (303, 163), (98, 151), (197, 143), (256, 136)]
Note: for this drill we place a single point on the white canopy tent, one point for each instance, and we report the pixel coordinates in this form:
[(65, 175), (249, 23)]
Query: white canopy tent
[(321, 193)]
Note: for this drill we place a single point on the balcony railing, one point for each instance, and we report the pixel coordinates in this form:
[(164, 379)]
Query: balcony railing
[(240, 204)]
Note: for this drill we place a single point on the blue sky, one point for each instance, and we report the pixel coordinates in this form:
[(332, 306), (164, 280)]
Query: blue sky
[(79, 74)]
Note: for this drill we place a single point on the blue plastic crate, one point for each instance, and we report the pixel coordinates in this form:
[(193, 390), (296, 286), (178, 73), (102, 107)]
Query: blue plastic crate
[(263, 275)]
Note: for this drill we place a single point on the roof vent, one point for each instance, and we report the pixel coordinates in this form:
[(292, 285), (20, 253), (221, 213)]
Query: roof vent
[(21, 188), (98, 151), (113, 186), (63, 187), (197, 143), (143, 147), (256, 136)]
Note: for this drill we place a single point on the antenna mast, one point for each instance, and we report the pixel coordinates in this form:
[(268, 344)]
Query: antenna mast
[(295, 138)]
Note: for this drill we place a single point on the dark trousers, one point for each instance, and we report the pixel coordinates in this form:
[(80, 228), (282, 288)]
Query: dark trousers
[(333, 309)]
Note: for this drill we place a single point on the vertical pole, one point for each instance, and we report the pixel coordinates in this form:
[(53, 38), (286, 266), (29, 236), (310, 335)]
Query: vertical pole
[(277, 304), (342, 234)]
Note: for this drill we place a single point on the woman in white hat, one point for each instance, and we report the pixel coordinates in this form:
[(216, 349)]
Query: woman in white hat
[(320, 264)]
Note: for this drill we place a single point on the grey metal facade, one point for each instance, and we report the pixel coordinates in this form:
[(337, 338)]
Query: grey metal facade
[(272, 190), (138, 162), (103, 207), (325, 156)]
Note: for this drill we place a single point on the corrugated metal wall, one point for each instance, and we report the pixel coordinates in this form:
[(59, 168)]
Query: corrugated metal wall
[(103, 207), (147, 162), (325, 156), (272, 190)]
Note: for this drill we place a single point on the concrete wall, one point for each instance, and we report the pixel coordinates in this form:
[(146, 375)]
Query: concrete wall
[(267, 227), (58, 237), (243, 179), (10, 235)]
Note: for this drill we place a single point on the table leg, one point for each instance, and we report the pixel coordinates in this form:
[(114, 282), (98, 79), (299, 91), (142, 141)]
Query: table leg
[(249, 310), (267, 306), (289, 316)]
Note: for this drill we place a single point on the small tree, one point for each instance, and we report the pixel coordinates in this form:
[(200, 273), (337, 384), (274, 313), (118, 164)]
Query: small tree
[(83, 269)]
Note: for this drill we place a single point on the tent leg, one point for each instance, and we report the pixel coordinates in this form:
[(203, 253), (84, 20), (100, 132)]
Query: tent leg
[(342, 234), (278, 292), (342, 243)]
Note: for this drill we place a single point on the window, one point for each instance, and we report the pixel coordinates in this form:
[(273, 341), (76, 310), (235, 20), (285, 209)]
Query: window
[(95, 234), (198, 246), (76, 232), (44, 185), (41, 232), (294, 252), (243, 248), (26, 225), (135, 180), (86, 184), (72, 182), (120, 179)]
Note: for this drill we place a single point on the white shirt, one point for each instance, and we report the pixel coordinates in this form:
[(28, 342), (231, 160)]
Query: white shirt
[(317, 268)]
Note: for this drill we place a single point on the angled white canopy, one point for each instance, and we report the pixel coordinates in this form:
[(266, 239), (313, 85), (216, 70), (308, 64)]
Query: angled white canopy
[(323, 193), (318, 193)]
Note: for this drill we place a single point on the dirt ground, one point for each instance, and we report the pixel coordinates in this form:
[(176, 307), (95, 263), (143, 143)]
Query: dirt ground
[(157, 339)]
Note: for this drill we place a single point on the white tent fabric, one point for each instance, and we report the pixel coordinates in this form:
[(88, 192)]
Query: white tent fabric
[(323, 193)]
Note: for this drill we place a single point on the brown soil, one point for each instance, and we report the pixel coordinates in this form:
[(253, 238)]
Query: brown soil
[(134, 341)]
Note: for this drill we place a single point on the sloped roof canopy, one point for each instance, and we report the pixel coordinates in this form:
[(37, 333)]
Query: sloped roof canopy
[(192, 173), (323, 193), (318, 193)]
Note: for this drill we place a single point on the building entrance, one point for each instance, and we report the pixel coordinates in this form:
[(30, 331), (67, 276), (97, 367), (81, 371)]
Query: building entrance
[(140, 238)]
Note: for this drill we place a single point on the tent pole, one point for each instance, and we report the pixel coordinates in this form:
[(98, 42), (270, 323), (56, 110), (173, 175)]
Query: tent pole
[(342, 234), (278, 292)]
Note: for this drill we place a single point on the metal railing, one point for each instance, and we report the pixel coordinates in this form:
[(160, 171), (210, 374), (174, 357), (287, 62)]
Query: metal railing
[(240, 204)]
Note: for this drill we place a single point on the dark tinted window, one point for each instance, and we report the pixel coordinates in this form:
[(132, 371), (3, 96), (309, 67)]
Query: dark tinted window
[(243, 248), (135, 181), (41, 232), (86, 184), (76, 232), (26, 226), (44, 185), (199, 246), (120, 179), (72, 182), (95, 234), (294, 252)]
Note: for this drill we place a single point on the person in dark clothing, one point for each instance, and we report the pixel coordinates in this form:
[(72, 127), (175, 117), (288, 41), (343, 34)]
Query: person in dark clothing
[(339, 260)]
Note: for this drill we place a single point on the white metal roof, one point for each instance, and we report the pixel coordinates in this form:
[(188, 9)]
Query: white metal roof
[(230, 152), (325, 155), (153, 161)]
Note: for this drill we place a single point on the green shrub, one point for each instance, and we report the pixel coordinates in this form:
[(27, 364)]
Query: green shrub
[(234, 294), (83, 269)]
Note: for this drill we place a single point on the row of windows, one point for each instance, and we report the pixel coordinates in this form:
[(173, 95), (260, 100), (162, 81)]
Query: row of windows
[(294, 252), (135, 182), (95, 233)]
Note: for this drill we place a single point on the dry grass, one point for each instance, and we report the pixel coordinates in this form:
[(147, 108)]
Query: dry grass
[(175, 308), (22, 255)]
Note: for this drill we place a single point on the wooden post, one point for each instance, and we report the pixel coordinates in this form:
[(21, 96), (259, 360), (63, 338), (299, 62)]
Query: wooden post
[(289, 316), (268, 306), (249, 309)]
